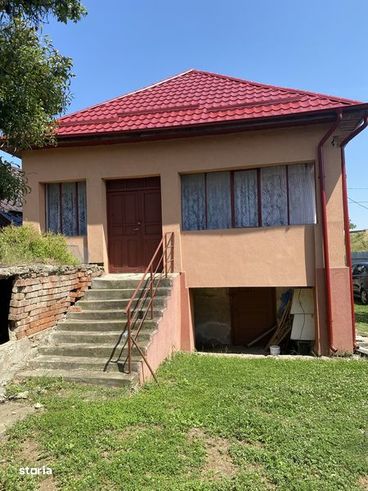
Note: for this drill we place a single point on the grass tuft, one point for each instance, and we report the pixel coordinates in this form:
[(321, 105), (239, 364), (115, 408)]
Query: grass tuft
[(361, 319), (25, 245)]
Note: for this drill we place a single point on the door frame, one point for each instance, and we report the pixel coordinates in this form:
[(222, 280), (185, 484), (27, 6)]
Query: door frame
[(119, 185)]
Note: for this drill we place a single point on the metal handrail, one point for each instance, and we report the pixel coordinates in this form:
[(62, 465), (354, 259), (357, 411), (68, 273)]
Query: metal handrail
[(142, 301)]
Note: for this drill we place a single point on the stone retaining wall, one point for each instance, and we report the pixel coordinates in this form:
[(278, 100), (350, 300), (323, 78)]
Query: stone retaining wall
[(41, 295)]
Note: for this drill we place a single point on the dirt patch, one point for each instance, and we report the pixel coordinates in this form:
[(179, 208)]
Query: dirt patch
[(363, 483), (47, 484), (218, 462), (132, 431), (11, 412), (30, 451)]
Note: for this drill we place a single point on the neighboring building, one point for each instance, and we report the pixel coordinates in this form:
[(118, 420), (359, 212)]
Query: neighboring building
[(10, 214), (234, 169)]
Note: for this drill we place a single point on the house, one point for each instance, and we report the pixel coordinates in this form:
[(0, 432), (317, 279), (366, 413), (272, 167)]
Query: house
[(248, 178), (10, 214)]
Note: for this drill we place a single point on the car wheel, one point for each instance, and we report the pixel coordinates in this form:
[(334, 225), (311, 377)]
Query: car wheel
[(364, 296)]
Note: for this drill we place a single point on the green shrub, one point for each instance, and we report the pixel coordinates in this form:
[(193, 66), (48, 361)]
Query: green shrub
[(25, 245), (359, 241)]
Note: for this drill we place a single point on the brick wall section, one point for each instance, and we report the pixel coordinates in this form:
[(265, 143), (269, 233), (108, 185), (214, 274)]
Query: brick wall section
[(41, 296)]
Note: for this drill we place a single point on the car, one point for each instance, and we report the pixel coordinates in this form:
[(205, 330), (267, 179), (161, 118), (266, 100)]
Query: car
[(360, 281)]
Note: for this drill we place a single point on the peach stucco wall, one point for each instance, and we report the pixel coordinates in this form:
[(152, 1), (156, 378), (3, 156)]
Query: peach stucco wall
[(276, 256), (174, 331)]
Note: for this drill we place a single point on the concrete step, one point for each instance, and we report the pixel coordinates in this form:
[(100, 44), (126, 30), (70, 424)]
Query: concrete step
[(117, 304), (88, 377), (70, 325), (119, 294), (108, 315), (92, 350), (81, 363), (111, 338), (122, 283)]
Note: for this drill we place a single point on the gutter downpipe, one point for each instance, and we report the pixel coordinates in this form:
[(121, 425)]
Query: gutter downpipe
[(326, 255), (361, 126)]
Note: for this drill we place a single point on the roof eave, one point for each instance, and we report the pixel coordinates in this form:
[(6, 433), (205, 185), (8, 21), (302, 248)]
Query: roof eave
[(233, 126)]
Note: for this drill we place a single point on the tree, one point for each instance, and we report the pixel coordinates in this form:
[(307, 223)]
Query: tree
[(34, 80), (352, 225), (13, 183)]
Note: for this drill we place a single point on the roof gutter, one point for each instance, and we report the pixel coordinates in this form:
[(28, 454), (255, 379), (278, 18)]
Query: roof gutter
[(361, 126), (326, 255), (202, 129)]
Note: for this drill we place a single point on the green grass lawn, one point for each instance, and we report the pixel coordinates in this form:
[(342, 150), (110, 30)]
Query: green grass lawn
[(361, 319), (213, 423)]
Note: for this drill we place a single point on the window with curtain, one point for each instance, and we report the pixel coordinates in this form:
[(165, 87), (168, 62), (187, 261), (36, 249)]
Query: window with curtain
[(246, 198), (302, 199), (274, 196), (66, 208), (270, 196), (193, 201), (218, 200)]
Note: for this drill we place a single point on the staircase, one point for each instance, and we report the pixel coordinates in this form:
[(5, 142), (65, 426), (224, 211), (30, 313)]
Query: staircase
[(80, 346)]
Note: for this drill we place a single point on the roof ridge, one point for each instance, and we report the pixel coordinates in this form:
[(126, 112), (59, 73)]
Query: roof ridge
[(78, 111), (285, 89)]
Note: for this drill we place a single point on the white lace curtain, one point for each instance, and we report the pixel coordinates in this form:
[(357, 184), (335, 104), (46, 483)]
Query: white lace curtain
[(287, 196), (193, 201), (302, 199), (274, 196), (67, 208), (218, 200), (246, 198)]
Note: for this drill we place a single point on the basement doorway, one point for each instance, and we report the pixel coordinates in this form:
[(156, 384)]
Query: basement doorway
[(247, 320), (5, 295)]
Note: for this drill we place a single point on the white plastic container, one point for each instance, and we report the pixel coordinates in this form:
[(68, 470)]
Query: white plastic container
[(274, 350)]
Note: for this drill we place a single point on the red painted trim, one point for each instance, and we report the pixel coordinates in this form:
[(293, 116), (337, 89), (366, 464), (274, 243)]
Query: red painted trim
[(326, 253), (362, 125)]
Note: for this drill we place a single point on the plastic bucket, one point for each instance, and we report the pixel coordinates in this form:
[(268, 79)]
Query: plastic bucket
[(275, 350)]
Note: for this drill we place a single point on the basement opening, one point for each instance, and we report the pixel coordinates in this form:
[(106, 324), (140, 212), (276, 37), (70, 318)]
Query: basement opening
[(252, 319), (5, 296)]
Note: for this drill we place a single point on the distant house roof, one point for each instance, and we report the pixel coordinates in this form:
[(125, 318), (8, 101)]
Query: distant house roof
[(9, 207), (194, 98), (10, 214)]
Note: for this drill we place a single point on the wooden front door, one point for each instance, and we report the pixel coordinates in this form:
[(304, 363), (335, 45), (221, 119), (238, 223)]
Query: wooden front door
[(134, 223), (253, 311)]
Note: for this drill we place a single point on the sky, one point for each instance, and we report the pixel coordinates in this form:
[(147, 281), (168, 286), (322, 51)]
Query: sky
[(321, 46)]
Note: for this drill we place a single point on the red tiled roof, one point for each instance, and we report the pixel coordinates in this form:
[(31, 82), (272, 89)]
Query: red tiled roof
[(193, 98)]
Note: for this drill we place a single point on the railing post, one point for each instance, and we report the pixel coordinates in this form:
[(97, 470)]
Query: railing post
[(165, 254), (151, 289), (172, 257), (129, 341)]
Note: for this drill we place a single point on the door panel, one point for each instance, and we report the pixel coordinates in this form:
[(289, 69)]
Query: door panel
[(134, 223), (253, 311)]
